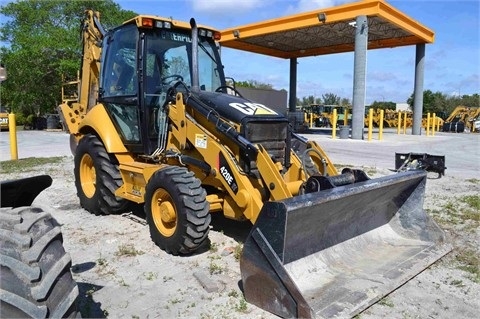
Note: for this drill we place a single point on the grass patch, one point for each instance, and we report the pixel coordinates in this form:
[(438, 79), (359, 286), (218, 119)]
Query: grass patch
[(175, 301), (128, 250), (215, 269), (473, 180), (27, 164), (457, 283), (472, 200), (473, 215), (451, 206), (233, 293), (150, 275), (213, 247), (469, 262), (237, 252), (242, 306), (102, 262), (386, 302)]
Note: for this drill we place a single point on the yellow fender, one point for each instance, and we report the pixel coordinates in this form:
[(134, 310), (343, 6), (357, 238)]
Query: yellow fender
[(98, 120)]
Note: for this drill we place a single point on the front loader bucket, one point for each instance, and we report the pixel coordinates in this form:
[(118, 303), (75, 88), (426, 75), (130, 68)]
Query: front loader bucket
[(335, 252)]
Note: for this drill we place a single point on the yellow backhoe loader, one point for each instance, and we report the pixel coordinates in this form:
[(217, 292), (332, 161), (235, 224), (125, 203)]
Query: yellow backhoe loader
[(155, 127), (462, 118)]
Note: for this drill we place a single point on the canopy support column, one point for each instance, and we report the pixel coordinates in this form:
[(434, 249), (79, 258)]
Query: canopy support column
[(292, 100), (418, 89), (359, 77)]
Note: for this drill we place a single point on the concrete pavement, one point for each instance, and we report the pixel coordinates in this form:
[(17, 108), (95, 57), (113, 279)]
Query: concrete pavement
[(461, 150)]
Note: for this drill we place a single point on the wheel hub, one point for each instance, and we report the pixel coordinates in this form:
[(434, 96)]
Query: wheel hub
[(88, 176), (167, 212), (163, 213)]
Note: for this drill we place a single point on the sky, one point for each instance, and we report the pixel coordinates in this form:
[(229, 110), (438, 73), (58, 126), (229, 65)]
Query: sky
[(452, 62)]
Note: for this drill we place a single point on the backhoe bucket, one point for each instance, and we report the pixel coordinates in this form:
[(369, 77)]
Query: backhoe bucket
[(335, 252)]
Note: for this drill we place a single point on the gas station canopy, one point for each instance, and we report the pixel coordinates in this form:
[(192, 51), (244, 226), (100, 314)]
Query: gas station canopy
[(327, 31)]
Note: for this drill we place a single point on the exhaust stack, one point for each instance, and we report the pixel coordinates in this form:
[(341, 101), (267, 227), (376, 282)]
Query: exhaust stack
[(195, 76)]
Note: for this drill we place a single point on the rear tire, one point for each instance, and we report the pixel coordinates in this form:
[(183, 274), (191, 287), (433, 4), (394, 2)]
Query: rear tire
[(177, 210), (36, 281), (97, 177)]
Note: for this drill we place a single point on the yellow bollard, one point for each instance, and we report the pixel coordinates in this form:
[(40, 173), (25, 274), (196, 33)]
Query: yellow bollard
[(380, 126), (334, 124), (428, 124), (345, 117), (12, 127), (405, 124), (399, 124), (311, 120), (370, 123), (434, 121)]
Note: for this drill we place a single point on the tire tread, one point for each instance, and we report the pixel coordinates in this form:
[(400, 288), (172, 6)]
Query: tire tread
[(36, 280)]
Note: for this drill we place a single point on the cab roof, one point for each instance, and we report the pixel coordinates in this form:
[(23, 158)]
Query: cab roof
[(175, 23)]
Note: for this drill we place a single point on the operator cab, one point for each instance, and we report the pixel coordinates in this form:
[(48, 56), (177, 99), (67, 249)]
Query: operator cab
[(142, 60)]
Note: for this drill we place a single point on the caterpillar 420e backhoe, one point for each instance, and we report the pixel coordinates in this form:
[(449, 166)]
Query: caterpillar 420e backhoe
[(155, 126)]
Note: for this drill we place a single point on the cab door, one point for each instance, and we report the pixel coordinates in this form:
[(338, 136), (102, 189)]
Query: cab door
[(119, 84)]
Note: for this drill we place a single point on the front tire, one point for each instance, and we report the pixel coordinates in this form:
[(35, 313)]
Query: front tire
[(177, 210), (97, 177), (36, 281)]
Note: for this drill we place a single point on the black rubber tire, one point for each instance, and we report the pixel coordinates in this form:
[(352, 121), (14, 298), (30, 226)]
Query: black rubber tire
[(107, 179), (35, 280), (188, 200)]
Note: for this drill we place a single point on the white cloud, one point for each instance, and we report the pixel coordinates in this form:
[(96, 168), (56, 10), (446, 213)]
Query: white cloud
[(228, 7), (381, 76), (309, 5)]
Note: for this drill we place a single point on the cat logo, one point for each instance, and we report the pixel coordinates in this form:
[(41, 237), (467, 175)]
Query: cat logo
[(253, 108)]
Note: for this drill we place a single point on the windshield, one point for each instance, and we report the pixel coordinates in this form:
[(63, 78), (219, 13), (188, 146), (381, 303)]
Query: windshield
[(168, 59)]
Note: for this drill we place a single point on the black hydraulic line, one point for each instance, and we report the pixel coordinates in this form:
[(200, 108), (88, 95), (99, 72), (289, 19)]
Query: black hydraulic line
[(318, 182), (99, 26), (189, 160), (288, 147)]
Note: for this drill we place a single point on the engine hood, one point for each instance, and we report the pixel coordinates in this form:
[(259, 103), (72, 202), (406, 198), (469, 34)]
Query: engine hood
[(237, 109)]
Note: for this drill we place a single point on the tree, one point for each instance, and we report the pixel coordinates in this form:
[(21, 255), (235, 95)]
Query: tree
[(308, 100), (443, 105), (383, 105), (345, 102), (43, 43), (330, 99), (253, 84)]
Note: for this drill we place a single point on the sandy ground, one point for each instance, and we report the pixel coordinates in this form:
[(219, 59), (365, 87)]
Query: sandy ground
[(122, 274)]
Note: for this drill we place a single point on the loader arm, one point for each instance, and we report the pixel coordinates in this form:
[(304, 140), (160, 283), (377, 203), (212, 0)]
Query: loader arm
[(218, 144), (224, 173)]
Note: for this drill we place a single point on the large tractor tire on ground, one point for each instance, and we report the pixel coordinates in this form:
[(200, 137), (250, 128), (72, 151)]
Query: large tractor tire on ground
[(97, 177), (35, 280), (177, 210)]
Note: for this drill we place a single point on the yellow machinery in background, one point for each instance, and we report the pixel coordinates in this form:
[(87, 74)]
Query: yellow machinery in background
[(319, 115), (463, 118)]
